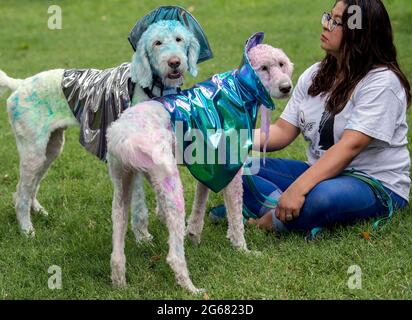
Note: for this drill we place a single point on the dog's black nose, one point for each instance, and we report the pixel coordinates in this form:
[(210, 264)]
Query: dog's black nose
[(285, 88), (174, 63)]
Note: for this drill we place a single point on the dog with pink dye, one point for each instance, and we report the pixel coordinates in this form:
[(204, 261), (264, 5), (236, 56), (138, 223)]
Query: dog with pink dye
[(141, 143)]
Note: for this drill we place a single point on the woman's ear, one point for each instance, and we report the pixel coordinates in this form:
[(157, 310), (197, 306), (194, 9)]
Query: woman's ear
[(140, 70), (193, 55)]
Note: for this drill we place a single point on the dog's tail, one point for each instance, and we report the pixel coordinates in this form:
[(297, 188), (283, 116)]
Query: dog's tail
[(7, 82)]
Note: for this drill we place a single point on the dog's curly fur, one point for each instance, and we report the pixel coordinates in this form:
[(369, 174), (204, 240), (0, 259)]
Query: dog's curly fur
[(39, 112), (141, 143)]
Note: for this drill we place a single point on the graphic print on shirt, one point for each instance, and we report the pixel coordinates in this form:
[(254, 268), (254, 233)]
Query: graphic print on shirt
[(305, 127), (326, 139)]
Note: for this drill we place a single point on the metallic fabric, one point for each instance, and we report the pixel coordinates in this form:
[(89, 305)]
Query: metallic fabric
[(97, 97), (225, 104), (172, 13)]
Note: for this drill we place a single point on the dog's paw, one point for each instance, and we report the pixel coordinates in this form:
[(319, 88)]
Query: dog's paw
[(143, 237), (37, 208), (188, 285), (241, 246), (118, 279), (238, 242), (118, 267), (198, 291), (194, 238), (119, 283), (243, 249), (28, 231)]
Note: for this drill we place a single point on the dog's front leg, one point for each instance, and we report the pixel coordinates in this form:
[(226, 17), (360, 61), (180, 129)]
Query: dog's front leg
[(196, 219), (139, 218), (233, 196)]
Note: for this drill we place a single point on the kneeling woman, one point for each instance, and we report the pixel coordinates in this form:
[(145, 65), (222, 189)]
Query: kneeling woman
[(351, 108)]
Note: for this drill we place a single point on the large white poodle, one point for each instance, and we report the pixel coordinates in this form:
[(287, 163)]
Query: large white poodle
[(44, 105), (141, 142)]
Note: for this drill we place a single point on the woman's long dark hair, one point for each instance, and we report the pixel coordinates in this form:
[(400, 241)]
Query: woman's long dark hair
[(361, 51)]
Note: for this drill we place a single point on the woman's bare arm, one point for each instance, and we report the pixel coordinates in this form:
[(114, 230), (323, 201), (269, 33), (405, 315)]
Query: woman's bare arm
[(281, 134)]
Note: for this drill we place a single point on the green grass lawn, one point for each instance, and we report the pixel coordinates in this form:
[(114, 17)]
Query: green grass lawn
[(77, 191)]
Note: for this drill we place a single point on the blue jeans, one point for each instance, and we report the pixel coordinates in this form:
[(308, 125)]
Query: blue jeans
[(342, 199)]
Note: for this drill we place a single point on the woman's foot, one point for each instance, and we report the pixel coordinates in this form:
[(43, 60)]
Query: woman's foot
[(218, 214), (264, 222)]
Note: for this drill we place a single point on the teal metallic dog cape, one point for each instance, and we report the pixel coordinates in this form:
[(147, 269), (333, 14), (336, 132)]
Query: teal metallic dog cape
[(226, 103)]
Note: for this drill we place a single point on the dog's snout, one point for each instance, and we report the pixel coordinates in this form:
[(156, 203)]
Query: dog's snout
[(285, 87), (174, 63)]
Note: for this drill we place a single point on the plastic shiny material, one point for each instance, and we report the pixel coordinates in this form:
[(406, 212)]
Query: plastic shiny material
[(97, 97), (219, 108)]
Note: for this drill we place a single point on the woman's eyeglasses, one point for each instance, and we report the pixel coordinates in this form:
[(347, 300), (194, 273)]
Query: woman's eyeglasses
[(330, 22)]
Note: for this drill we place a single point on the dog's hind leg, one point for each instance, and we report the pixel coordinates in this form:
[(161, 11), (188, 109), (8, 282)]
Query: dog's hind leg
[(31, 163), (139, 218), (54, 149), (168, 186), (122, 184), (232, 195), (196, 219), (36, 109)]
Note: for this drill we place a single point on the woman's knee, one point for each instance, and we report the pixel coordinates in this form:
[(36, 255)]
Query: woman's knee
[(320, 208), (318, 202)]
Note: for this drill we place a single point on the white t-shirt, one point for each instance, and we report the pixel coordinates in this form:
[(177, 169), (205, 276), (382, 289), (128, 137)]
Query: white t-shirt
[(377, 108)]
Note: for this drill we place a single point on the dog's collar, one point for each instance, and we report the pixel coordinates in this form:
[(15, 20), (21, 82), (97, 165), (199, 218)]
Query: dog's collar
[(158, 89)]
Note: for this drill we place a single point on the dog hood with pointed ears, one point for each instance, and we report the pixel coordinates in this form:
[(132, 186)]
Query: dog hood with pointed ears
[(224, 106)]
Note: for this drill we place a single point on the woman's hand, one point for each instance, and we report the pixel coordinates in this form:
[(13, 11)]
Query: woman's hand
[(290, 203)]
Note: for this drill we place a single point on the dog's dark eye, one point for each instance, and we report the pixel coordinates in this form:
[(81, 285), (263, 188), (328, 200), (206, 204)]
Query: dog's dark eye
[(264, 68), (281, 64), (157, 43), (178, 39)]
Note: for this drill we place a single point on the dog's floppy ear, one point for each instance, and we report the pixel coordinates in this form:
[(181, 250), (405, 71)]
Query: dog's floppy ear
[(289, 65), (193, 55), (140, 70), (290, 68)]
